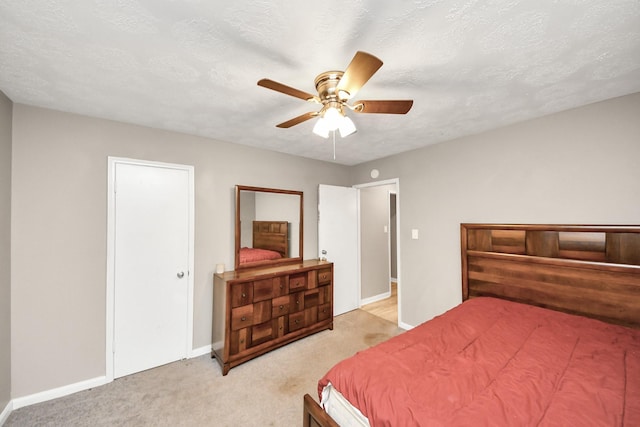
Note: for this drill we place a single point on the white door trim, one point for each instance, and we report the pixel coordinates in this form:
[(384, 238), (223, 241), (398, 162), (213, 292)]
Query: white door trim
[(395, 181), (112, 162)]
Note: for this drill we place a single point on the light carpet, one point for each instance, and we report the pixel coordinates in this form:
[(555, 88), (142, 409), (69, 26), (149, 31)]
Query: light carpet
[(266, 391)]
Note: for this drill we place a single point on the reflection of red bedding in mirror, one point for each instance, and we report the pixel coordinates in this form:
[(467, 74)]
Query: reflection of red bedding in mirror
[(254, 255), (270, 242)]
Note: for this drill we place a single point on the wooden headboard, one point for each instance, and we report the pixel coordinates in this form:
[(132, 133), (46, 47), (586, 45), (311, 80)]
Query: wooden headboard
[(272, 235), (592, 271)]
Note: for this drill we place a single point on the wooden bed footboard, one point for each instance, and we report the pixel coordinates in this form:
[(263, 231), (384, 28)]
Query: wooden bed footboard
[(314, 415)]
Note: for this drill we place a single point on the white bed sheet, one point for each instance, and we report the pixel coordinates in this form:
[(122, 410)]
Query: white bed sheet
[(339, 408)]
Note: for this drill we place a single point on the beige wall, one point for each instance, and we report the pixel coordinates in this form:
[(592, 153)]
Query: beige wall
[(578, 166), (6, 107), (60, 220)]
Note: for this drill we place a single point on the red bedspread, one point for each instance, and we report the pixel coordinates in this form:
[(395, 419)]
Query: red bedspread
[(256, 254), (490, 362)]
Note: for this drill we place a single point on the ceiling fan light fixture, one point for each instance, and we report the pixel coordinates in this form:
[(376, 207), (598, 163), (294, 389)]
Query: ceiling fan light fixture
[(333, 117), (321, 128), (347, 127)]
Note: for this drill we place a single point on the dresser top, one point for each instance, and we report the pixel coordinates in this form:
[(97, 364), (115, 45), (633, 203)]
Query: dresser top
[(273, 270)]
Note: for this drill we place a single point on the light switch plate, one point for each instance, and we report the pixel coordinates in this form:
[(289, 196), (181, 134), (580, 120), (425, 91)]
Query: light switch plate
[(414, 233)]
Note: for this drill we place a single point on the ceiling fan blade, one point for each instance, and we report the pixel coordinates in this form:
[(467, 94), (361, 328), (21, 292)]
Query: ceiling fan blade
[(297, 120), (362, 67), (287, 90), (383, 107)]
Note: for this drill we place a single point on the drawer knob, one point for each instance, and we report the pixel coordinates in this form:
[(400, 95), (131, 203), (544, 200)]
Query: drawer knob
[(297, 321), (242, 341), (281, 307), (243, 318), (244, 295)]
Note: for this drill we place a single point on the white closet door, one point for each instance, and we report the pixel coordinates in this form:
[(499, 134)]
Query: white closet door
[(151, 271)]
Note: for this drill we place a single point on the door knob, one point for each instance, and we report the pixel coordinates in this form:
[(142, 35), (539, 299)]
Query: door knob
[(180, 275)]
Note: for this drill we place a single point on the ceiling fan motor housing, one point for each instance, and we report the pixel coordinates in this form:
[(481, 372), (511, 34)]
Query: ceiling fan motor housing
[(326, 84)]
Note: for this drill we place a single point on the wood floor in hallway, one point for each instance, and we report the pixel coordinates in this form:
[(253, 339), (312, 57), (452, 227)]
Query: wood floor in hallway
[(386, 308)]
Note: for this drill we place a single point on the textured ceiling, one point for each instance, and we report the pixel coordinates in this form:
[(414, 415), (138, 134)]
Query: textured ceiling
[(192, 65)]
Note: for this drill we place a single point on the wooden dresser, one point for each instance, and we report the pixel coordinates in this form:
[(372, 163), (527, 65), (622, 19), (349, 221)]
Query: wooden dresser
[(258, 310)]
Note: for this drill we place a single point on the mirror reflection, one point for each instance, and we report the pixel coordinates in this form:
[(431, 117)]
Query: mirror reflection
[(268, 226)]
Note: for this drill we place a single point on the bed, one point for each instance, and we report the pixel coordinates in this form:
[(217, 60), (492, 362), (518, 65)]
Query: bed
[(270, 241), (548, 333)]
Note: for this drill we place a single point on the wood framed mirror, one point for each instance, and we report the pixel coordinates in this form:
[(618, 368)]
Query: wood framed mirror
[(269, 226)]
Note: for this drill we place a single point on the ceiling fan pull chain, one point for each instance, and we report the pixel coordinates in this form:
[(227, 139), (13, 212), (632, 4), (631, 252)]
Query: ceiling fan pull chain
[(334, 145)]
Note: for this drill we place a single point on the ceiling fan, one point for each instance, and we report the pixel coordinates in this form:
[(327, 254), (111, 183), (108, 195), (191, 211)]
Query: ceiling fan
[(335, 90)]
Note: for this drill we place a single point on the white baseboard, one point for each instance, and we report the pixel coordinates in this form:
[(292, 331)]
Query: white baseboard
[(4, 415), (58, 392), (405, 326), (197, 352), (375, 298), (72, 388)]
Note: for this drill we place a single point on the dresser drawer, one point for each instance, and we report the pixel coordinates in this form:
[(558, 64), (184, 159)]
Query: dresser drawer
[(280, 306), (324, 294), (297, 281), (310, 316), (324, 276), (251, 314), (280, 286), (241, 317), (311, 298), (241, 294), (239, 340), (280, 326), (261, 333), (296, 302), (262, 290), (324, 312), (296, 321), (261, 312)]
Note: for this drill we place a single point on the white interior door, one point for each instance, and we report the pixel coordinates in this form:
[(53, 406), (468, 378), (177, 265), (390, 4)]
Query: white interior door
[(151, 265), (338, 242)]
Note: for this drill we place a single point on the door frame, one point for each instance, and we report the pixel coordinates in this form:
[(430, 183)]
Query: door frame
[(395, 181), (111, 232)]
